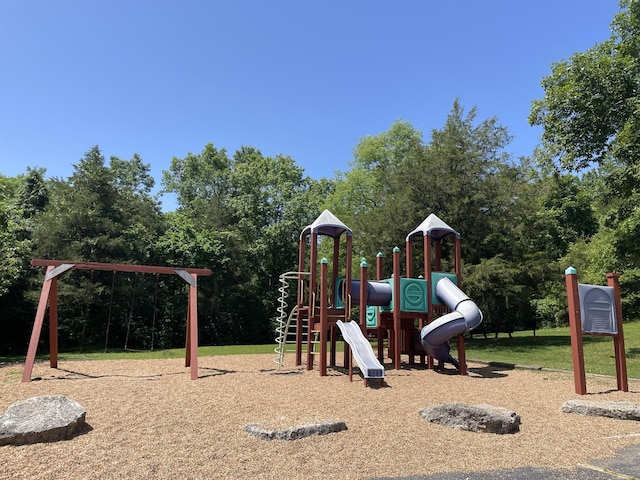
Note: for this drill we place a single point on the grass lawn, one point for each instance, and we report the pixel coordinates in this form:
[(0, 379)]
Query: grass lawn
[(549, 348)]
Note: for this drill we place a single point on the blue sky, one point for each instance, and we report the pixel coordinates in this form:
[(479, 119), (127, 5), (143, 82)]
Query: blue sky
[(306, 79)]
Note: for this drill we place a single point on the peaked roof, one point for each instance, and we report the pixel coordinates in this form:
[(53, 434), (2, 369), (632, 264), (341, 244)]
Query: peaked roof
[(327, 224), (434, 227)]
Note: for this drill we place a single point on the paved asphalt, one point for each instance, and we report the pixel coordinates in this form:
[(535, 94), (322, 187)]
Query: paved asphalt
[(624, 465)]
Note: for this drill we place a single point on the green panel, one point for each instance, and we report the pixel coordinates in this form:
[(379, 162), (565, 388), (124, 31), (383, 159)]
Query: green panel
[(435, 276), (338, 303), (413, 295), (372, 317)]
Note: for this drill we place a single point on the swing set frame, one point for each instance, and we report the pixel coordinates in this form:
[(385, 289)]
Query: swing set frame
[(49, 294)]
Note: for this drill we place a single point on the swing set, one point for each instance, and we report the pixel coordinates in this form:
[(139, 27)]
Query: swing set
[(49, 295)]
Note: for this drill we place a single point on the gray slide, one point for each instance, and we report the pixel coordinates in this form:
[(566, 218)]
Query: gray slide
[(464, 317), (361, 349)]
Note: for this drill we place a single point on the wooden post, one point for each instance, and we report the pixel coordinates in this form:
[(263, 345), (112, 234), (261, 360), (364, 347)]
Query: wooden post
[(323, 317), (397, 322), (193, 320), (462, 356), (53, 323), (408, 260), (313, 280), (380, 331), (37, 327), (457, 260), (575, 325), (427, 275), (618, 339), (363, 296)]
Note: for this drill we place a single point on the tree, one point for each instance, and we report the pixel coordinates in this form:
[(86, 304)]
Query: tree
[(592, 101), (253, 207), (372, 197), (465, 176), (590, 114), (200, 183), (22, 200)]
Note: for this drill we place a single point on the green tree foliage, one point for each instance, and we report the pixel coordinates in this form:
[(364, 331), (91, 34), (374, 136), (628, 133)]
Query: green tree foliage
[(590, 115), (466, 178), (591, 104), (253, 208), (22, 199)]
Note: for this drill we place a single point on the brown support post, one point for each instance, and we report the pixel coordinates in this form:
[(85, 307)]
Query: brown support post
[(334, 270), (363, 296), (427, 275), (347, 273), (193, 319), (575, 325), (408, 260), (458, 260), (313, 280), (618, 340), (438, 255), (462, 356), (37, 327), (333, 338), (187, 349), (397, 324), (53, 323), (323, 318), (379, 330)]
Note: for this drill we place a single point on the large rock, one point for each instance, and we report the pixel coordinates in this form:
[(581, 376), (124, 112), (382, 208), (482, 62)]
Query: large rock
[(619, 410), (475, 418), (295, 433), (41, 419)]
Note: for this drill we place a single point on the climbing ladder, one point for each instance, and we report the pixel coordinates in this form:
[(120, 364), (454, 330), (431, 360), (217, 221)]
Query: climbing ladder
[(287, 323)]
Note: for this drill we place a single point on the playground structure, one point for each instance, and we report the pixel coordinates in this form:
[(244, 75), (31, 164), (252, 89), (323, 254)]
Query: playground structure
[(49, 295), (595, 310), (417, 316)]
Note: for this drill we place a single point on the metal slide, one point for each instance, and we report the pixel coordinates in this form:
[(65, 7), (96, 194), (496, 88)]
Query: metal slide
[(361, 349), (464, 317)]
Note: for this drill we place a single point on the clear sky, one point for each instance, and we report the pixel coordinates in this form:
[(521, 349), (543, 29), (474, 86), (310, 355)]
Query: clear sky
[(307, 79)]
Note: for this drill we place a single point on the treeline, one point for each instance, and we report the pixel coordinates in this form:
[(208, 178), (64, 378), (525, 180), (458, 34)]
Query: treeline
[(574, 201)]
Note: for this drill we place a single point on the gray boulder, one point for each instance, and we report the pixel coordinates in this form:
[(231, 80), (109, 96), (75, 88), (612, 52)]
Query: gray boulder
[(41, 419), (295, 433), (619, 410), (474, 418)]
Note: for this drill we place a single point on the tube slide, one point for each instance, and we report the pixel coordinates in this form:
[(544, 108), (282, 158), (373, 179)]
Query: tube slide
[(361, 349), (465, 316), (378, 293)]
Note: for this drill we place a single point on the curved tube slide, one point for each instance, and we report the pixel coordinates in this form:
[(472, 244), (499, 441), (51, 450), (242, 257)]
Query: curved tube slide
[(361, 349), (465, 316)]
